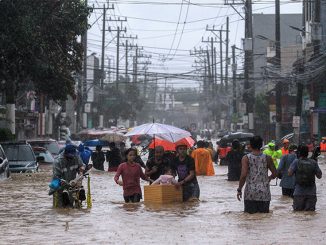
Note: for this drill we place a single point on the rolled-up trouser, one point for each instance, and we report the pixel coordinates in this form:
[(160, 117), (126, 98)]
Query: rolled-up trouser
[(62, 199), (190, 190)]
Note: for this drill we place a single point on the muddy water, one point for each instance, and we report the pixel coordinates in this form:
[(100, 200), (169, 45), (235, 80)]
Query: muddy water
[(27, 216)]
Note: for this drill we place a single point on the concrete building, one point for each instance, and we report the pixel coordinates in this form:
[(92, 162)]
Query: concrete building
[(264, 46)]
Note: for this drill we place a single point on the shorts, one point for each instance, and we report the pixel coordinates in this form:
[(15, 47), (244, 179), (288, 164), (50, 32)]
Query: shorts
[(133, 198), (190, 190), (256, 206), (304, 203)]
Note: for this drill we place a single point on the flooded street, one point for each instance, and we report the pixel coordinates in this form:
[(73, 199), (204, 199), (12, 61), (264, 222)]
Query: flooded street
[(27, 216)]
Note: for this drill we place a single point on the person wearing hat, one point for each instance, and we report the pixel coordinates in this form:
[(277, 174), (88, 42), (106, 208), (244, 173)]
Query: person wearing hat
[(184, 166), (273, 153), (67, 166), (287, 182), (285, 148)]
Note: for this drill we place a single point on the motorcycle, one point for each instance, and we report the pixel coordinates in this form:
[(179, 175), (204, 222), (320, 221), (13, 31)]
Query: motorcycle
[(72, 193)]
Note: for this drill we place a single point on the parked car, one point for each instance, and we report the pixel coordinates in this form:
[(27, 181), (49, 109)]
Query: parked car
[(4, 165), (42, 152), (21, 157), (50, 144)]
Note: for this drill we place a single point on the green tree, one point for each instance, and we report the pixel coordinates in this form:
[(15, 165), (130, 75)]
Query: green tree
[(39, 43), (119, 104), (187, 95)]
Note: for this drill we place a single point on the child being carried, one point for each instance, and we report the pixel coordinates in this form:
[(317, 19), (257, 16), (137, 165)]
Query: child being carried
[(166, 179)]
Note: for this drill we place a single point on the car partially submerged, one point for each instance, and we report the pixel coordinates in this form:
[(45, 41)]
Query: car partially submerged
[(21, 157), (50, 144), (43, 155), (4, 165)]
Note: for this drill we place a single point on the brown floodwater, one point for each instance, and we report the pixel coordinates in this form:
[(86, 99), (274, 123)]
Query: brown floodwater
[(27, 216)]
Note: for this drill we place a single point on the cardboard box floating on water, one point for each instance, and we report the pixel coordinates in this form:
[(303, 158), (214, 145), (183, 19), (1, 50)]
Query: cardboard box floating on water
[(160, 194)]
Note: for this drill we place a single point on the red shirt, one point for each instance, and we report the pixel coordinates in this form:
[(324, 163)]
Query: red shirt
[(131, 174)]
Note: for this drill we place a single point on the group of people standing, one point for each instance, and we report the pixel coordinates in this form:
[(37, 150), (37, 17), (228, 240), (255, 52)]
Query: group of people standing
[(296, 170), (253, 170), (158, 169)]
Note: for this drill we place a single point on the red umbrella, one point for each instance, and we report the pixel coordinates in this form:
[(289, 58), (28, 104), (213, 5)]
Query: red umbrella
[(188, 141), (170, 146), (167, 145)]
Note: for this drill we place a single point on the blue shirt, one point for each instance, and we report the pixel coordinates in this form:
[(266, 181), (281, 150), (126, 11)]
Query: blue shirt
[(286, 181), (301, 190)]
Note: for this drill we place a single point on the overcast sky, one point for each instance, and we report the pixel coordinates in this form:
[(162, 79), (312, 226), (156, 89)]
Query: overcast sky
[(169, 29)]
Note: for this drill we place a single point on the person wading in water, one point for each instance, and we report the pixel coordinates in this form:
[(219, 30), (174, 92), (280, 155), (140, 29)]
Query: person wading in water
[(254, 173)]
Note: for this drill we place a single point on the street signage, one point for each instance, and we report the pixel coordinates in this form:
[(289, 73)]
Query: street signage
[(296, 122), (88, 107)]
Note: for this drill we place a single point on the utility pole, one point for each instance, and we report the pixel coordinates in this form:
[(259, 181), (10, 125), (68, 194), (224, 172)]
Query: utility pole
[(279, 85), (234, 88), (109, 70), (220, 37), (126, 55), (82, 80), (103, 47), (103, 43), (136, 64), (227, 55), (126, 71), (212, 62), (210, 78), (248, 66), (221, 60), (215, 70), (118, 30)]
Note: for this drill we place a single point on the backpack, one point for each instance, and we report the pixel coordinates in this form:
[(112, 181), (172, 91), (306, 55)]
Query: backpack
[(305, 174)]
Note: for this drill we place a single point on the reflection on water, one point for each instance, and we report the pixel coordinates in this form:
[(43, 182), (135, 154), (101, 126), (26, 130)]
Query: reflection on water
[(27, 216)]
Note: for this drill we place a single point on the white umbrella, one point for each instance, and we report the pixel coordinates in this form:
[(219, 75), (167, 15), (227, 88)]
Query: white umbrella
[(113, 137), (163, 131)]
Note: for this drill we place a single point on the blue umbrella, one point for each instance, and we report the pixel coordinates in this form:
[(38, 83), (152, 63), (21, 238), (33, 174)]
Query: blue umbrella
[(96, 143)]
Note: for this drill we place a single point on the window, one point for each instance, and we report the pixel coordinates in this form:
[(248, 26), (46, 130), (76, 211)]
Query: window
[(19, 152)]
